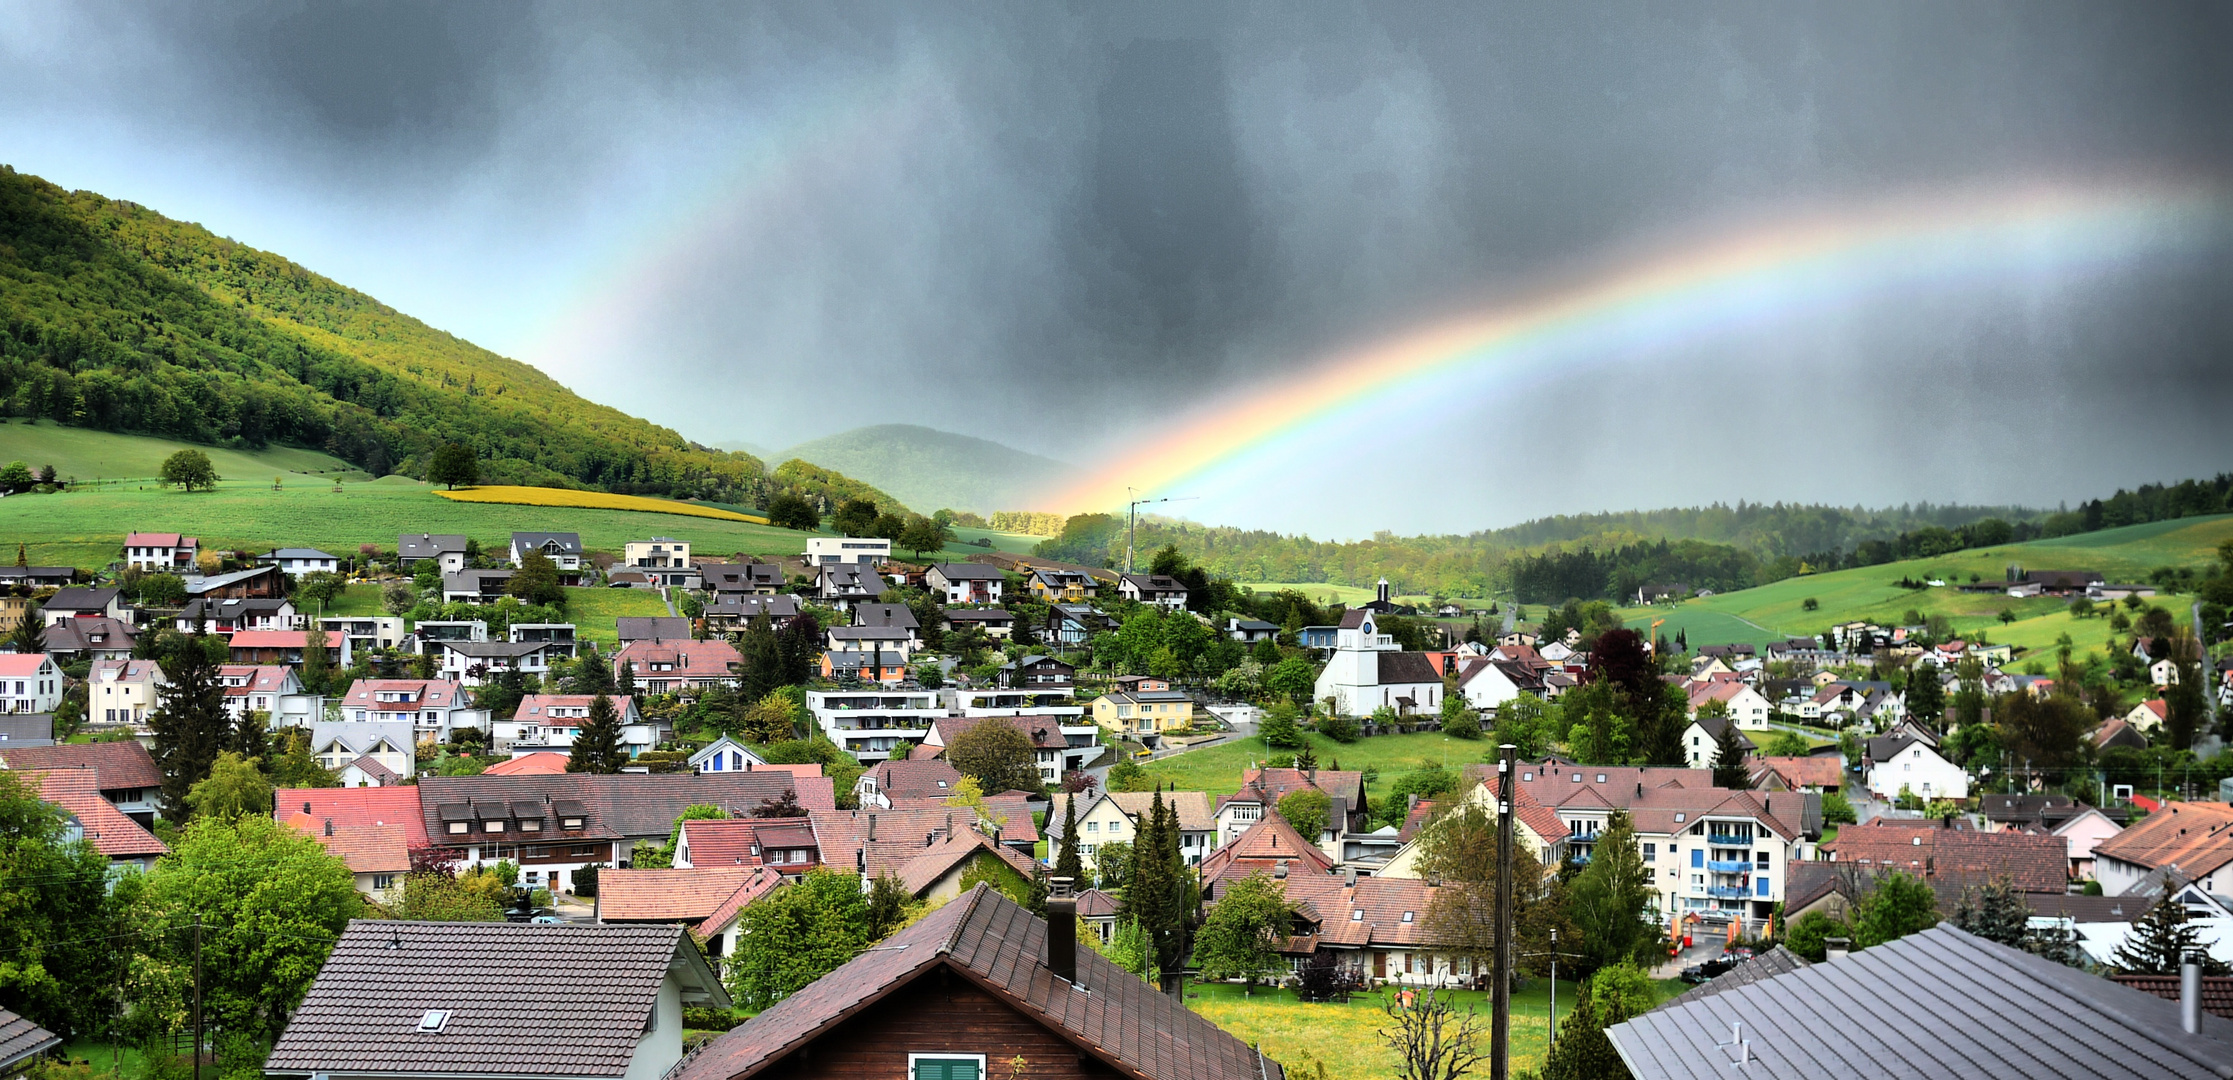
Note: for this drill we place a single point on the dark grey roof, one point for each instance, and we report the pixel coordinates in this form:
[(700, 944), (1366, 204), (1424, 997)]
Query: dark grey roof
[(892, 615), (566, 542), (1936, 1004), (651, 628), (969, 571), (524, 999), (427, 545), (27, 729), (20, 1038), (1768, 965), (79, 600)]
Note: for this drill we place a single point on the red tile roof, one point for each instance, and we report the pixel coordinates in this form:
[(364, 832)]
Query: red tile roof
[(112, 834), (2195, 836), (1016, 826), (1267, 845), (722, 841), (1823, 772), (1045, 732), (685, 896), (901, 835), (167, 540), (932, 779), (541, 761), (420, 694), (24, 664), (949, 853), (367, 848), (119, 765), (996, 945), (2039, 863), (361, 809), (261, 678), (764, 880), (269, 639)]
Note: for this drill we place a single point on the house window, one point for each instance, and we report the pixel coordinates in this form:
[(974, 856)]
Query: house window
[(492, 826), (1651, 852), (460, 828), (570, 823), (945, 1066), (534, 852), (382, 881), (530, 825)]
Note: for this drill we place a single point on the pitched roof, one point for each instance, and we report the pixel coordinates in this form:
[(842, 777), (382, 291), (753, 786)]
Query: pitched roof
[(1767, 965), (711, 658), (427, 545), (366, 848), (1369, 914), (914, 779), (1268, 786), (995, 944), (612, 807), (20, 1039), (357, 808), (1045, 731), (968, 571), (2217, 990), (1014, 810), (523, 999), (1826, 772), (722, 841), (1267, 845), (685, 896), (541, 761), (82, 635), (156, 539), (1194, 810), (2038, 862), (901, 835), (112, 833), (19, 665), (1937, 1003), (950, 852), (637, 627), (1398, 668), (2197, 837), (418, 694), (117, 765), (564, 542), (762, 881), (79, 599)]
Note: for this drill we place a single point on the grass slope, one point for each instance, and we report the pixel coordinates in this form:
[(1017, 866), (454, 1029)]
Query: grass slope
[(929, 469), (1772, 612), (83, 454), (1217, 769)]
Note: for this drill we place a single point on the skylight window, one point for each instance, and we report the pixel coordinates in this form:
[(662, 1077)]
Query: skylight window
[(434, 1019), (1407, 916)]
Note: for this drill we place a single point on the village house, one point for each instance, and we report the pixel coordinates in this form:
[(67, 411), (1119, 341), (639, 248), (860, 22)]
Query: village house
[(475, 586), (84, 603), (1261, 790), (117, 691), (1702, 740), (1536, 828), (647, 627), (1144, 714), (226, 616), (2036, 862), (882, 616), (662, 666), (563, 549), (161, 553), (997, 623), (841, 585), (888, 781), (848, 550), (1162, 590), (2082, 827), (1054, 585), (970, 988), (254, 583), (2196, 838), (477, 663), (295, 562), (372, 829), (1903, 763), (1114, 816), (1744, 704), (705, 900), (552, 721), (726, 579), (786, 845), (732, 614), (30, 683), (873, 721), (445, 550), (965, 583), (400, 1000), (89, 816), (1376, 928), (371, 753), (881, 667), (435, 708), (1251, 631), (1058, 753), (123, 772), (273, 647), (1814, 772), (91, 639), (273, 689), (665, 559)]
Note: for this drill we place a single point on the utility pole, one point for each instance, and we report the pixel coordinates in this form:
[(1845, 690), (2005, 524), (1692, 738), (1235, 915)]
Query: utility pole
[(1552, 1040), (1500, 969), (197, 995), (1132, 521)]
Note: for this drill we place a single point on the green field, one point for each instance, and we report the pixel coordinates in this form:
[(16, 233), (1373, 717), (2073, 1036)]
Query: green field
[(592, 611), (1345, 1039), (1351, 595), (1217, 769), (1772, 612), (85, 455), (1012, 543)]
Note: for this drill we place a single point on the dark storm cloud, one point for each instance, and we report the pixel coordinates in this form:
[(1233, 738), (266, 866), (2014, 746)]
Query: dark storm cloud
[(1098, 211)]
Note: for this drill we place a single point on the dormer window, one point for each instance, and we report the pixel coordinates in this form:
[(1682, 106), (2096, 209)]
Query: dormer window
[(460, 828), (530, 825), (570, 823), (493, 826)]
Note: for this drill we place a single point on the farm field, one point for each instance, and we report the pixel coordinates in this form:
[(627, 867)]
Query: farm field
[(1345, 1037), (1217, 769), (1778, 610), (85, 455), (593, 500)]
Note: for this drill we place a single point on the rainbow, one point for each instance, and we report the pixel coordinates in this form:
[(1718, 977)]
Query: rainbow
[(1690, 292)]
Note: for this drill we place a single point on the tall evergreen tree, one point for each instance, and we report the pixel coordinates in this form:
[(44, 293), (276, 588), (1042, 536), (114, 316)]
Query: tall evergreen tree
[(249, 738), (760, 669), (30, 634), (625, 684), (592, 674), (1926, 698), (1729, 757), (597, 748), (317, 667), (799, 646), (1995, 911), (189, 723), (2161, 941), (1151, 890), (1066, 861)]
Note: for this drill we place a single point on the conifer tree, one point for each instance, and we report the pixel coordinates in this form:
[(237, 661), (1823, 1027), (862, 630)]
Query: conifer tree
[(189, 724), (1729, 757), (1996, 912), (597, 748), (1066, 861), (1150, 891), (2161, 941)]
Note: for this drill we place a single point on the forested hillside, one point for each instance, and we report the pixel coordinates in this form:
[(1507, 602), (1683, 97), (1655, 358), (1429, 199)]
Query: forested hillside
[(115, 317), (932, 469)]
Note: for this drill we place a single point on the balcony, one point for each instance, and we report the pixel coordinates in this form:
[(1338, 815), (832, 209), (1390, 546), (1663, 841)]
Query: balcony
[(1727, 892), (1737, 866), (1728, 840)]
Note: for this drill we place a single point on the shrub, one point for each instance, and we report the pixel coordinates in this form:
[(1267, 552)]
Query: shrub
[(1340, 729)]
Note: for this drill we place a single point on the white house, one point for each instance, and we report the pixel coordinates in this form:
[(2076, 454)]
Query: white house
[(474, 663), (122, 691), (725, 755), (374, 753), (872, 723), (168, 553), (562, 548), (295, 562), (862, 550), (1367, 671), (1488, 684), (446, 550), (553, 721), (1745, 704), (29, 683), (273, 689), (1897, 762), (2148, 715), (1159, 589), (966, 583), (1702, 740), (435, 708)]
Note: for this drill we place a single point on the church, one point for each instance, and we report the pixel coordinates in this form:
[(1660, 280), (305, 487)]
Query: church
[(1367, 671)]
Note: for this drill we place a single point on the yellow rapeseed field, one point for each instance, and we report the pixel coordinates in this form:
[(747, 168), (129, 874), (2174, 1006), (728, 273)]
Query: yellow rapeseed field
[(592, 500)]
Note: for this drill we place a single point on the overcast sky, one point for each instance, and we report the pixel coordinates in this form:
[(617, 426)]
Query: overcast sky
[(1052, 226)]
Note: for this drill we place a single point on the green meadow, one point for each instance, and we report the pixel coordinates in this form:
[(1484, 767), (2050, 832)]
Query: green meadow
[(1217, 769)]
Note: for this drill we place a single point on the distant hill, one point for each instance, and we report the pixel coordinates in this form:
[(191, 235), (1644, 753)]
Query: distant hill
[(932, 470), (117, 318)]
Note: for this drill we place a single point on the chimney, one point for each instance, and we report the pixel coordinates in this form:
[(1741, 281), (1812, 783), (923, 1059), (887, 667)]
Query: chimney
[(1948, 821), (1281, 870), (2190, 994), (1835, 948), (1062, 930), (329, 826), (306, 806), (872, 826), (1350, 879)]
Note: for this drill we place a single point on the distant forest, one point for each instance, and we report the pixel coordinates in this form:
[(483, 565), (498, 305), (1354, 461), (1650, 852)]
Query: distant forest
[(1606, 556)]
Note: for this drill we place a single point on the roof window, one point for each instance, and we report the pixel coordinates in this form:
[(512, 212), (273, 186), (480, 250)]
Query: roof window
[(433, 1020), (1407, 916), (1600, 778), (1356, 915)]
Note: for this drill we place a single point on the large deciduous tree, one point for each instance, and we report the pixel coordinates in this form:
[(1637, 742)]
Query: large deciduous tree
[(1609, 897), (190, 470), (1241, 937), (57, 949), (454, 464), (997, 754)]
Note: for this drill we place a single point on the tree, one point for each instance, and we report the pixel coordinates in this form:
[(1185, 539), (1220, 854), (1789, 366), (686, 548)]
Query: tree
[(1066, 861), (189, 469), (1786, 744), (1837, 810), (1729, 758), (293, 765), (271, 902), (2161, 941), (1612, 996), (235, 786), (591, 673), (1279, 729), (1293, 678), (1112, 864), (1901, 904), (536, 581), (1608, 900), (59, 967), (773, 718), (1241, 937), (793, 511), (800, 933), (454, 464), (189, 724), (854, 517), (997, 754), (320, 586), (1458, 848), (1431, 1038), (1342, 729), (1807, 936), (1459, 721), (1926, 698), (16, 477), (597, 747), (1995, 911), (30, 634), (1156, 890), (1307, 809), (1529, 723), (477, 896), (1127, 947), (923, 534), (397, 597)]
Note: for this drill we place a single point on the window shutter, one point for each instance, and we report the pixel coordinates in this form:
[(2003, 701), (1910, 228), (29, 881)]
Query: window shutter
[(946, 1069)]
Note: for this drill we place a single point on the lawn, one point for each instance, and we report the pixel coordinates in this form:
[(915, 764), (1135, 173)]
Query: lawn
[(85, 455), (86, 528), (1778, 610), (1012, 543), (1345, 1039), (592, 612), (1217, 769)]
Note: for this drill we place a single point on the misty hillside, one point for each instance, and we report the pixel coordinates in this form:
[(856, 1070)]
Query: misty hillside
[(931, 470), (115, 317)]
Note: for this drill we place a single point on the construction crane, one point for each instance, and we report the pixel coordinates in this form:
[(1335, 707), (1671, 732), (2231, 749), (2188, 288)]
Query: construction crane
[(1132, 520)]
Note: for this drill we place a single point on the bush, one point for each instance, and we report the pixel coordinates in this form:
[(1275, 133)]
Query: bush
[(697, 1019), (1465, 725), (585, 880), (1340, 729), (1836, 810)]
